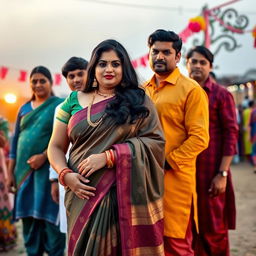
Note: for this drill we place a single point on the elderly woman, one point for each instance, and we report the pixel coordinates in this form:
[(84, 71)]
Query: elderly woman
[(29, 169), (114, 176)]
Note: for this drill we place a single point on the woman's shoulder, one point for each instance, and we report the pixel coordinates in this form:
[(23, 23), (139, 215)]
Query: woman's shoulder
[(25, 108)]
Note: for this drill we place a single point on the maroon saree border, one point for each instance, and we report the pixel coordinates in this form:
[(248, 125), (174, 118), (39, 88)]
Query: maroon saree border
[(102, 188), (132, 236), (123, 172)]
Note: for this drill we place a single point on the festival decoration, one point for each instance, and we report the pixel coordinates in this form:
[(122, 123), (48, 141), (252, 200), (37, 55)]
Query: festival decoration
[(197, 24), (57, 79), (23, 76), (229, 20), (254, 36), (3, 72)]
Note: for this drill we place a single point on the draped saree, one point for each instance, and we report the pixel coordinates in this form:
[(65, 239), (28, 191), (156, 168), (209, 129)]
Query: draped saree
[(33, 198), (125, 217)]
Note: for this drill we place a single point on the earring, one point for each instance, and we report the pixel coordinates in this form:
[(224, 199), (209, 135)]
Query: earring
[(95, 83), (123, 84)]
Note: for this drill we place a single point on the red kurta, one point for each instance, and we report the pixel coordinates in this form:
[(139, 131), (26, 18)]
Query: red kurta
[(218, 213)]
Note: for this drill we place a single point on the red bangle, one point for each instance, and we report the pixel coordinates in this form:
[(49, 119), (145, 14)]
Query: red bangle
[(112, 156), (109, 162), (62, 174)]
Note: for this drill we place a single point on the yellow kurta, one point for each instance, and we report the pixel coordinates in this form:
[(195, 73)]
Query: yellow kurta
[(182, 107)]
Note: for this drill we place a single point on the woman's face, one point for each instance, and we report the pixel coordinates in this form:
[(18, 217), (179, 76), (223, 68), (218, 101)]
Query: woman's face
[(109, 71), (41, 86)]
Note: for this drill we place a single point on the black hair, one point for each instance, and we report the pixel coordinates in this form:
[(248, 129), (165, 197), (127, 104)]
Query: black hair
[(72, 64), (166, 36), (251, 103), (129, 97), (44, 71), (203, 51), (213, 75)]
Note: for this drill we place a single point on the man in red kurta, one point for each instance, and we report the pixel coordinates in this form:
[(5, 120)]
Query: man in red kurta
[(216, 200)]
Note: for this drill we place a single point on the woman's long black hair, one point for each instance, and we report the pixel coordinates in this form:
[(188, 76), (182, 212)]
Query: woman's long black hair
[(129, 98)]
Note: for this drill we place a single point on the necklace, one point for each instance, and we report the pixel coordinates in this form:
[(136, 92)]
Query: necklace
[(105, 95), (93, 124)]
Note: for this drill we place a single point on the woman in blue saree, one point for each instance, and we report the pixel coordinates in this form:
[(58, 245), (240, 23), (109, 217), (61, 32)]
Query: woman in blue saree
[(29, 169)]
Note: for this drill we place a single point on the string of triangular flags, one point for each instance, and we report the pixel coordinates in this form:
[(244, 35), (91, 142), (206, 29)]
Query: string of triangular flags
[(23, 75), (195, 25), (57, 77)]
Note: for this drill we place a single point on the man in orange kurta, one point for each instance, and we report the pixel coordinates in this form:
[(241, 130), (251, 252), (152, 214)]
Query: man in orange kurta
[(182, 106)]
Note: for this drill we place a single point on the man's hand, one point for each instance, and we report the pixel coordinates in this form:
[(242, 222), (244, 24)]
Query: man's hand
[(55, 191), (10, 183), (218, 185)]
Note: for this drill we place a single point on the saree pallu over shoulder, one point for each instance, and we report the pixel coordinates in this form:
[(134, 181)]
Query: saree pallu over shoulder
[(35, 133), (125, 217)]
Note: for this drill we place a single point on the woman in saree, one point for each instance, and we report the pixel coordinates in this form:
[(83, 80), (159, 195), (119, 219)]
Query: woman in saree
[(29, 169), (7, 228), (114, 175)]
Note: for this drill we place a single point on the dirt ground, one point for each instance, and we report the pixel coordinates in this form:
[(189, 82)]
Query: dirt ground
[(243, 239)]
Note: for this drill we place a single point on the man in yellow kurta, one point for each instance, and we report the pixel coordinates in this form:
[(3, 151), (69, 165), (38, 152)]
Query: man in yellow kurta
[(182, 106)]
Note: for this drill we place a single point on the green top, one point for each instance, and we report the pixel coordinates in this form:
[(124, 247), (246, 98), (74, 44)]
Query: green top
[(68, 108)]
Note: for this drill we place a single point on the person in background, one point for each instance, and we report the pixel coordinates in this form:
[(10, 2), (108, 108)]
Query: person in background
[(114, 175), (246, 130), (28, 170), (7, 228), (183, 111), (75, 72), (245, 102), (216, 199), (252, 131)]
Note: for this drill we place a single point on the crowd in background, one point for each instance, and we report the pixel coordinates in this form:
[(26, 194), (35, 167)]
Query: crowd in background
[(116, 134)]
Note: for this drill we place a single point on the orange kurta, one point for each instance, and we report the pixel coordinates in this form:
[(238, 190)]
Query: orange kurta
[(182, 107)]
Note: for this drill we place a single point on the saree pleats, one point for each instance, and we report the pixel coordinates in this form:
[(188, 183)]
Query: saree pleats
[(101, 235)]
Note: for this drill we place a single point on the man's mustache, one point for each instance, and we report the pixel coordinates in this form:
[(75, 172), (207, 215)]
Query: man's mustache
[(159, 62)]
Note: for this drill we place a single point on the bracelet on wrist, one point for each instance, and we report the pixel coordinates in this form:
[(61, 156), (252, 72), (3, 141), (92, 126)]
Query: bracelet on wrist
[(62, 174), (110, 157), (223, 173)]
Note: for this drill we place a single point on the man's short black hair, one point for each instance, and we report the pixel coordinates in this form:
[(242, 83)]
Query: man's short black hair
[(72, 64), (203, 51), (166, 36)]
